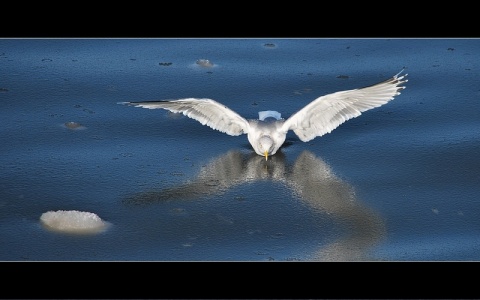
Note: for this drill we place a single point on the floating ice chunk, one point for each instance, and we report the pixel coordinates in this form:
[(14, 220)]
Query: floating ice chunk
[(204, 63), (73, 221), (73, 126)]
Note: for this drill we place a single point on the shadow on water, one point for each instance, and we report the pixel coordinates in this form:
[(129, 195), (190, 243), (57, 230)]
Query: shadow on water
[(309, 178)]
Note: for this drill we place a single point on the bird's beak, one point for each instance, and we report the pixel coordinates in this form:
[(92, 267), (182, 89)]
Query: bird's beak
[(266, 154)]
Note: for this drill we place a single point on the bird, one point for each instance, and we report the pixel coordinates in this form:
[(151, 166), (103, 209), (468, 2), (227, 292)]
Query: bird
[(268, 133)]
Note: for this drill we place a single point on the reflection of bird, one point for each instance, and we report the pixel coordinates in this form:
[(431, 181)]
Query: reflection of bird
[(233, 168), (268, 133), (309, 178)]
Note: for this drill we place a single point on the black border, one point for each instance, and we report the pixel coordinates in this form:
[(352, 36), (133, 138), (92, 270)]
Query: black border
[(238, 20), (240, 280)]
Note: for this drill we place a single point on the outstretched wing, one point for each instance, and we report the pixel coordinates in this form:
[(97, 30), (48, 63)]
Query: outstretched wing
[(326, 113), (207, 111)]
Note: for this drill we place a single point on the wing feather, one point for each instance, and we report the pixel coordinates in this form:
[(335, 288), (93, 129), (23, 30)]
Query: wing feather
[(206, 111), (326, 113)]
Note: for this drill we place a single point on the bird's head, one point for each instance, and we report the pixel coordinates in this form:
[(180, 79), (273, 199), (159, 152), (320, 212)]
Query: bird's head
[(266, 146)]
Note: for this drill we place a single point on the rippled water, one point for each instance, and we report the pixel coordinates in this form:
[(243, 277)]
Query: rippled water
[(400, 182)]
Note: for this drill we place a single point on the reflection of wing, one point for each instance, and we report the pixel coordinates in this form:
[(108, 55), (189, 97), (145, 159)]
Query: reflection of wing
[(315, 183), (326, 113), (221, 174), (215, 178), (313, 180), (206, 111)]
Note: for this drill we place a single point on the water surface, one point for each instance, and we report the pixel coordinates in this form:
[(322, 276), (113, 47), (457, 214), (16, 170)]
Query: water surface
[(400, 182)]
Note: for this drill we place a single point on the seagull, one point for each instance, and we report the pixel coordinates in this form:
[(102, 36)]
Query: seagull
[(267, 133)]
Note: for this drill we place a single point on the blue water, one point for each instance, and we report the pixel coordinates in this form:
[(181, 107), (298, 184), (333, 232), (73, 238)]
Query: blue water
[(400, 182)]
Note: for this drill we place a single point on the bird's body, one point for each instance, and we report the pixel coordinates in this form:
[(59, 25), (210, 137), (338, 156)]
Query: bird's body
[(267, 134)]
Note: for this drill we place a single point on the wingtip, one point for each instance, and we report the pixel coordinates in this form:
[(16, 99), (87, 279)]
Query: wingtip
[(396, 75), (400, 79), (123, 103)]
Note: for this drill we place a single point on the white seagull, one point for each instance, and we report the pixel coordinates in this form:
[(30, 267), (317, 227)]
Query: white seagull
[(268, 133)]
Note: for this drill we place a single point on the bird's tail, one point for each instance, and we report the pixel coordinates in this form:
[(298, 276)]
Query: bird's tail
[(262, 115)]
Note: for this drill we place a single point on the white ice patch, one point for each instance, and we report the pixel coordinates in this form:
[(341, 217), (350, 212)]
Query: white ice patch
[(204, 63), (73, 126), (73, 221), (262, 115)]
